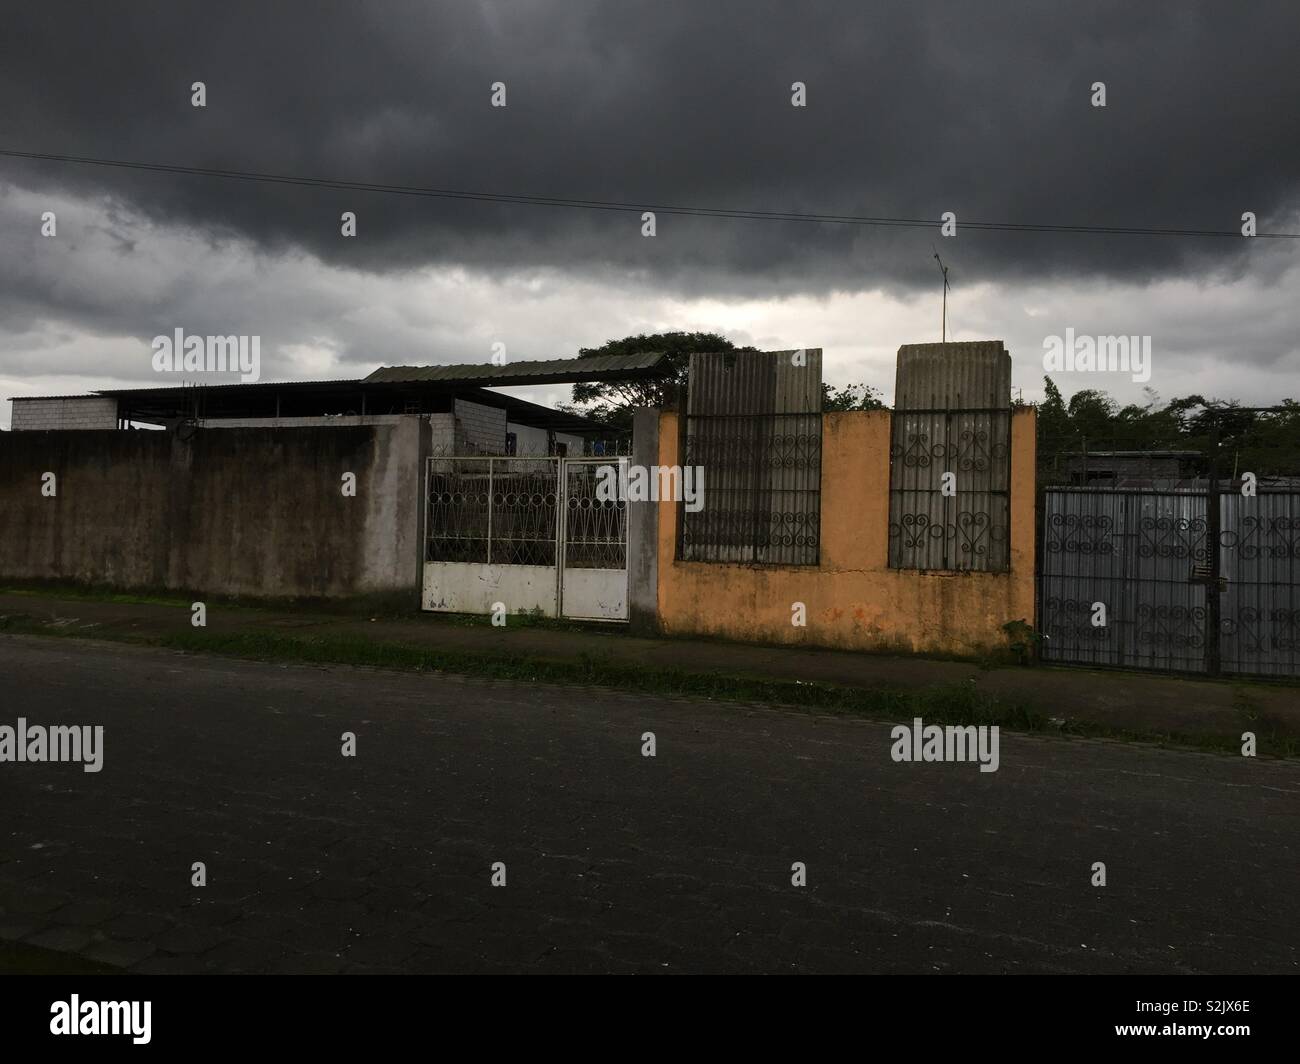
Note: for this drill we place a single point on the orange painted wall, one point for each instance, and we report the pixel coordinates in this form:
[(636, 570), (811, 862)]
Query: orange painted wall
[(853, 599)]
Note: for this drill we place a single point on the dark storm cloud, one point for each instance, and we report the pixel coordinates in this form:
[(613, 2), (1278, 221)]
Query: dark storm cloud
[(913, 109)]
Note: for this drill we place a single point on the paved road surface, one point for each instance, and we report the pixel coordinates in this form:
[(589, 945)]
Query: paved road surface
[(614, 861)]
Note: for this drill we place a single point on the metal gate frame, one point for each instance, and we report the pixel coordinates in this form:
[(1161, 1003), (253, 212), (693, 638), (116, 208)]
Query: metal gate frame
[(1136, 551), (1220, 584), (586, 592), (595, 593)]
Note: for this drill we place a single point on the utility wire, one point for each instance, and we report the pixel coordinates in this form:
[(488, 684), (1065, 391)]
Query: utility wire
[(613, 205)]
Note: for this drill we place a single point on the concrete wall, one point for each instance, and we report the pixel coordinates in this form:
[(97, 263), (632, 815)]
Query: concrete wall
[(643, 532), (241, 511), (853, 599), (74, 412), (480, 429), (442, 434), (531, 440)]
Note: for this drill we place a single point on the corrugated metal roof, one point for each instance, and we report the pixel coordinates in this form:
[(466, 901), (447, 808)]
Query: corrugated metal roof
[(554, 371), (231, 386), (33, 398)]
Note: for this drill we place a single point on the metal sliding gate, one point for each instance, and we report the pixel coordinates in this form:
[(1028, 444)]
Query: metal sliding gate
[(541, 536), (1178, 587)]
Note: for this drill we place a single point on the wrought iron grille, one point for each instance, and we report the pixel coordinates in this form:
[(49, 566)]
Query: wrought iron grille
[(1259, 559), (968, 530), (595, 524), (1150, 557), (1137, 553), (761, 488), (498, 511)]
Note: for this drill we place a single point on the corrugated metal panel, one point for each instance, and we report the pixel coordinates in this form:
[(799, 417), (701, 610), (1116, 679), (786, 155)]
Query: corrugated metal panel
[(554, 371), (953, 376), (1147, 555), (755, 382), (1259, 558), (951, 415), (966, 531), (1136, 552), (753, 422)]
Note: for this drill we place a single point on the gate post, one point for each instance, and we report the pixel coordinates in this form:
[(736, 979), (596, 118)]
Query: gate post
[(643, 532), (1213, 521)]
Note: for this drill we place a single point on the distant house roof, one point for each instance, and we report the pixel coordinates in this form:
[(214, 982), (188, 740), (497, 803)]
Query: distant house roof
[(391, 390), (553, 371)]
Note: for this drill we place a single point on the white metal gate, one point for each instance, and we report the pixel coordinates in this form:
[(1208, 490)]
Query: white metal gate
[(541, 536)]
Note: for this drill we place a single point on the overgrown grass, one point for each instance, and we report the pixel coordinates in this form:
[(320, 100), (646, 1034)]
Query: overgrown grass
[(956, 704), (86, 593)]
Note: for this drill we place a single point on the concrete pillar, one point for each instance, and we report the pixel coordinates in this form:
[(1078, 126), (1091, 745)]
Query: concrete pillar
[(643, 533)]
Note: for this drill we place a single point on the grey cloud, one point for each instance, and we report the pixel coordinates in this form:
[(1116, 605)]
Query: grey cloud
[(914, 109)]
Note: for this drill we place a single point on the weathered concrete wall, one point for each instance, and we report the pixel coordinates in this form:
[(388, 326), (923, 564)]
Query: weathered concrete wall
[(442, 434), (530, 440), (257, 512), (74, 412), (853, 599), (643, 532)]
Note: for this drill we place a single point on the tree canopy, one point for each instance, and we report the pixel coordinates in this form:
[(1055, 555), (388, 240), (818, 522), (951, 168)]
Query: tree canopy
[(613, 403), (1264, 441)]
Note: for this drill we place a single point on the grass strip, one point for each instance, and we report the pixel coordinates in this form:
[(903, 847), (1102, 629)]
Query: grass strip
[(955, 704)]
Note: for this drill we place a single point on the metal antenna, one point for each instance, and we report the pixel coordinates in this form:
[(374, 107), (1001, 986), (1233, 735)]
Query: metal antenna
[(944, 333)]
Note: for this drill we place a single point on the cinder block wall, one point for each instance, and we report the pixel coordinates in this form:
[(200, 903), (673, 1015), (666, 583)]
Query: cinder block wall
[(240, 511), (480, 429), (75, 412), (442, 434)]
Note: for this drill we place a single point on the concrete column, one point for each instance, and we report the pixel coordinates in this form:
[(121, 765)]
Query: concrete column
[(643, 533)]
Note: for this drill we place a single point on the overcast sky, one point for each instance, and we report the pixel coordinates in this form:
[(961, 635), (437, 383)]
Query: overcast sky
[(912, 109)]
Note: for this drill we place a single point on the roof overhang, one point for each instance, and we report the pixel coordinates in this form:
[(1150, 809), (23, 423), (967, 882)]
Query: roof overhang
[(594, 368)]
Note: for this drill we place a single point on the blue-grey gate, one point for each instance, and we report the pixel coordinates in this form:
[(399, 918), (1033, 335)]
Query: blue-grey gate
[(1134, 577)]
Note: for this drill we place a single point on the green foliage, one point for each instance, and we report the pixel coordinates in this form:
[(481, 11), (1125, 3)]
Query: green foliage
[(851, 397), (614, 402), (1264, 442), (1023, 638)]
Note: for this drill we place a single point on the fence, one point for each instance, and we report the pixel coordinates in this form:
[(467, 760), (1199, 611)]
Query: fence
[(1188, 533), (495, 511), (1177, 590), (762, 483), (970, 528), (531, 534)]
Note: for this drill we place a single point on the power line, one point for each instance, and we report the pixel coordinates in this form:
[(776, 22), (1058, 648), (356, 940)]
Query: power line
[(613, 205)]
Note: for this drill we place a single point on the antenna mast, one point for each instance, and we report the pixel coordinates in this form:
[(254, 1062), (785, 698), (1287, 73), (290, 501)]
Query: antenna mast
[(944, 333)]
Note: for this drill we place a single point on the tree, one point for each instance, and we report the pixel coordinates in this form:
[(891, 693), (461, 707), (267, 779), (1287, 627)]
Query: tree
[(1264, 442), (613, 402), (851, 397), (1053, 420)]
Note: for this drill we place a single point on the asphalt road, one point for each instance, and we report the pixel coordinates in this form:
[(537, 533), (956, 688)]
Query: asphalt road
[(614, 861)]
